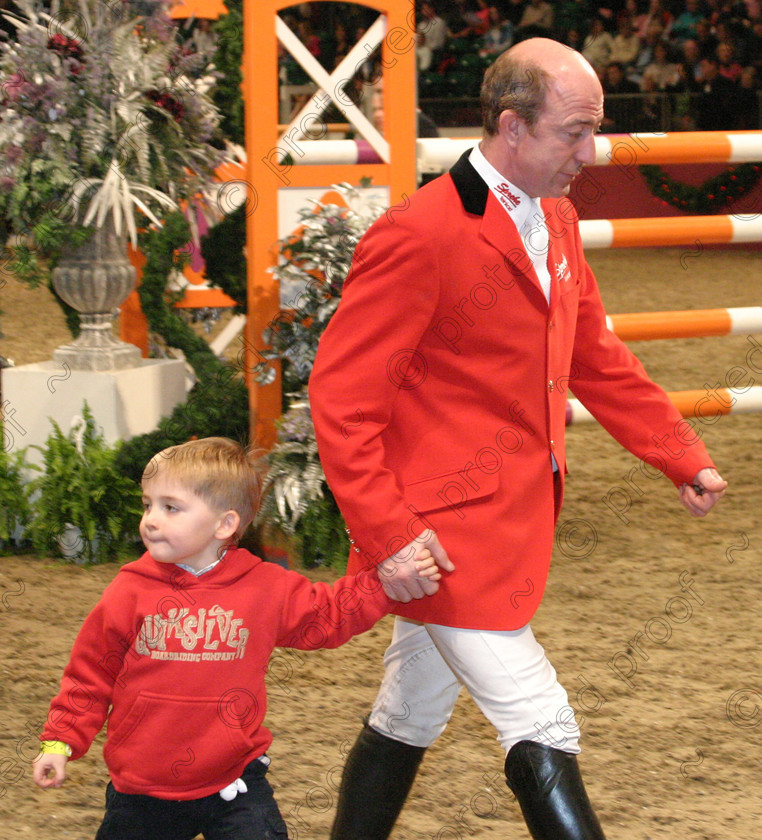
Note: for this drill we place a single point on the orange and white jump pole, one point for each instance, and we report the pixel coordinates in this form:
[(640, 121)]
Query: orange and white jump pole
[(438, 154), (692, 323), (664, 231), (705, 405), (678, 147)]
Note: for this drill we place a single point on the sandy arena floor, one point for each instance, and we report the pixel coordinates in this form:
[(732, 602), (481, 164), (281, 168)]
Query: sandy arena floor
[(651, 618)]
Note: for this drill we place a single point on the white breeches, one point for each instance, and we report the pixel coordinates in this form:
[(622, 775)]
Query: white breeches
[(505, 671)]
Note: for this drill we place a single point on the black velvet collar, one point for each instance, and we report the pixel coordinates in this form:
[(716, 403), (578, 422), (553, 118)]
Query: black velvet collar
[(471, 187)]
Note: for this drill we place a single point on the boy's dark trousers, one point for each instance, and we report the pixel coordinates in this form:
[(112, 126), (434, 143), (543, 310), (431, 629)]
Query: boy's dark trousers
[(253, 815)]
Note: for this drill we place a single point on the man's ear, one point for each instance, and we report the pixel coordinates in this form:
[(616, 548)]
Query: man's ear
[(227, 525), (510, 127)]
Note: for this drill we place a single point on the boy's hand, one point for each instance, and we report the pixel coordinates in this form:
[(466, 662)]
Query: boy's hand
[(399, 576), (49, 770), (426, 565)]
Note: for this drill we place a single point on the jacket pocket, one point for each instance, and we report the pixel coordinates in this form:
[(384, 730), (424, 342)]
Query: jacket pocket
[(451, 490)]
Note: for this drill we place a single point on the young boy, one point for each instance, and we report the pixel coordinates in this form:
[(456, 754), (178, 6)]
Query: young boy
[(174, 657)]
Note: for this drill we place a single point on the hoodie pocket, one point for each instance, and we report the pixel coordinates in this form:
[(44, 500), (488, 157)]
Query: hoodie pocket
[(168, 741)]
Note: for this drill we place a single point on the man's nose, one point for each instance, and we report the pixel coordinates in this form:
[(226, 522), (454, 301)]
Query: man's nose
[(586, 151)]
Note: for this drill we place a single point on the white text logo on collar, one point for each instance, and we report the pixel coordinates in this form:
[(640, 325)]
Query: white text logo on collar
[(507, 198)]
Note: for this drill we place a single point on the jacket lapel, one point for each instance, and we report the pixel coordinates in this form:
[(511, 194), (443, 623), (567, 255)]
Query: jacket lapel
[(496, 228), (558, 261)]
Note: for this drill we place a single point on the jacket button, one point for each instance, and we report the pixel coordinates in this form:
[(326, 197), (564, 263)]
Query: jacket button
[(552, 444), (551, 386), (551, 325)]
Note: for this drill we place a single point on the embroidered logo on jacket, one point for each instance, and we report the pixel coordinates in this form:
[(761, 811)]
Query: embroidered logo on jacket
[(507, 198), (180, 634), (562, 270)]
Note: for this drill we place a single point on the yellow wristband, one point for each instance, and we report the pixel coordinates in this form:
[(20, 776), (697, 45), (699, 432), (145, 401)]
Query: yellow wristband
[(55, 748)]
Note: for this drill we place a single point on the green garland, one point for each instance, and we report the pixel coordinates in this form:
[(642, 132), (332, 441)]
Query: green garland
[(218, 402), (224, 259), (321, 536), (228, 60), (707, 198)]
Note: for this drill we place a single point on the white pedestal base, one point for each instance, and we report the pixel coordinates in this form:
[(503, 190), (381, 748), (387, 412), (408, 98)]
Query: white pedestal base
[(124, 403)]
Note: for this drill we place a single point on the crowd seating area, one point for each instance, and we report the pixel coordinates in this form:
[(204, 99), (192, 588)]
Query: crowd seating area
[(665, 66)]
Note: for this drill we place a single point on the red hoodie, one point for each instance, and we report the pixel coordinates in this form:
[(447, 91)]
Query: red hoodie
[(181, 661)]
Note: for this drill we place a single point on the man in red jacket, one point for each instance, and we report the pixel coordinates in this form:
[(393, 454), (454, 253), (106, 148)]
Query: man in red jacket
[(439, 394), (174, 656)]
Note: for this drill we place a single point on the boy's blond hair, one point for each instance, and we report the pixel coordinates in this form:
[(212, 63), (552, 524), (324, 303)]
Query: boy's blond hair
[(218, 470)]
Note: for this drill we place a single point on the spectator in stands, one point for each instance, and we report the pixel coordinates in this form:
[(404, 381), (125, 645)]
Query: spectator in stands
[(458, 26), (635, 10), (433, 27), (337, 46), (754, 45), (629, 10), (656, 12), (499, 36), (478, 17), (423, 53), (747, 100), (619, 114), (597, 45), (625, 45), (707, 41), (722, 12), (308, 38), (536, 21), (572, 14), (691, 57), (716, 105), (573, 38), (615, 80), (654, 34), (469, 19), (729, 68), (684, 26), (661, 74)]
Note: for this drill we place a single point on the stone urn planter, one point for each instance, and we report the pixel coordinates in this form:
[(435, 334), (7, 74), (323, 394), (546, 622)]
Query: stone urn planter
[(95, 278)]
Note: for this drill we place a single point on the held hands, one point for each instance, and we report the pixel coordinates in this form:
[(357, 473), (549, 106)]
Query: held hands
[(414, 570), (707, 489), (49, 770)]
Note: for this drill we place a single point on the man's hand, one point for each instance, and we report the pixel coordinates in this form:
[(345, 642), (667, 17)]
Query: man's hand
[(49, 770), (400, 577), (707, 489)]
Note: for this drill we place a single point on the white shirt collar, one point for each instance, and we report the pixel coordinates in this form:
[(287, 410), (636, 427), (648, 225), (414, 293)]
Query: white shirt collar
[(199, 572), (516, 202)]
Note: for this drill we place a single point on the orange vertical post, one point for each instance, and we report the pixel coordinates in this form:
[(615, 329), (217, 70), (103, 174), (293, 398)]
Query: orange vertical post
[(266, 177)]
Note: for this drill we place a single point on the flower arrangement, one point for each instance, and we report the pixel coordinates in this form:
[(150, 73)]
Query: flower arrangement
[(104, 115), (314, 263)]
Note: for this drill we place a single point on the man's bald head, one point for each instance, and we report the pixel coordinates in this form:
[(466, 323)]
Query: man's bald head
[(520, 78)]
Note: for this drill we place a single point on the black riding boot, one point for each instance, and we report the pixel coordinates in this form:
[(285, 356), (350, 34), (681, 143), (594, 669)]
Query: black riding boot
[(377, 778), (549, 788)]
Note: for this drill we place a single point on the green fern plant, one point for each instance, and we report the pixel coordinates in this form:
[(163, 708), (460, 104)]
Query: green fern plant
[(81, 487), (15, 511)]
